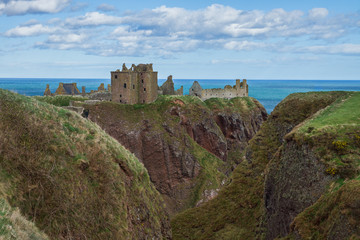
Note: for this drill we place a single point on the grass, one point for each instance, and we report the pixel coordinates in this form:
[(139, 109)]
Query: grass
[(55, 174), (236, 213), (14, 226), (334, 134), (245, 104), (334, 216), (59, 101)]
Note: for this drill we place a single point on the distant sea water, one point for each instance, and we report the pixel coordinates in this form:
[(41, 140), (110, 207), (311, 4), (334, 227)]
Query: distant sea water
[(268, 92)]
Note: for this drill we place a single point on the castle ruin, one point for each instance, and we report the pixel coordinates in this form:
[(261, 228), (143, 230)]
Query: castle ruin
[(139, 85), (168, 88), (72, 89), (240, 89), (135, 85)]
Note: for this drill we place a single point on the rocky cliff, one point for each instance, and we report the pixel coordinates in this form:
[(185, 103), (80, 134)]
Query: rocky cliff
[(188, 146), (70, 178), (302, 155)]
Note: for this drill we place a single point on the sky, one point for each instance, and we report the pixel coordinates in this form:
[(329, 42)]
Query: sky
[(224, 39)]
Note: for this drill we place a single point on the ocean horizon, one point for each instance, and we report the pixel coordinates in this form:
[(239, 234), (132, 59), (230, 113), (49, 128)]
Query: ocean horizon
[(268, 92)]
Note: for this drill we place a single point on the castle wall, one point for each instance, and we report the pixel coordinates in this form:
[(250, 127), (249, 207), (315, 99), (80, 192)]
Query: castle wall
[(222, 93), (239, 90)]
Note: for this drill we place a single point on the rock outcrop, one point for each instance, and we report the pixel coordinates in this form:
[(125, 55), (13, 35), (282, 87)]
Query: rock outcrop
[(187, 146), (284, 173)]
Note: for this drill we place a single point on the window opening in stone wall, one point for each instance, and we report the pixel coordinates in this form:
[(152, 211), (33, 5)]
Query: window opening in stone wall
[(133, 86), (120, 101), (142, 80), (124, 85), (144, 89), (120, 95), (115, 76), (143, 101)]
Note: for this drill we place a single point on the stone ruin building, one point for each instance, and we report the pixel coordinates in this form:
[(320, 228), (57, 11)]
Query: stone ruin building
[(139, 84), (71, 89), (63, 89), (135, 85), (241, 89), (168, 88)]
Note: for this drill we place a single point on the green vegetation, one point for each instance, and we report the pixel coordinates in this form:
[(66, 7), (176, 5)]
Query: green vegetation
[(335, 215), (14, 226), (236, 213), (335, 135), (72, 179), (59, 100), (241, 103)]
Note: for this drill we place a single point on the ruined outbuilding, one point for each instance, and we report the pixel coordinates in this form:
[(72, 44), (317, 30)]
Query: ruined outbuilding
[(196, 89), (67, 89), (71, 89), (168, 88), (135, 85), (240, 89)]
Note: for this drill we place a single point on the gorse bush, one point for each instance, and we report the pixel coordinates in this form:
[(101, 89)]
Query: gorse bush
[(340, 145)]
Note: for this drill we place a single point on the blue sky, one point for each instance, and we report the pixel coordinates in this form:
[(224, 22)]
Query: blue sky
[(318, 39)]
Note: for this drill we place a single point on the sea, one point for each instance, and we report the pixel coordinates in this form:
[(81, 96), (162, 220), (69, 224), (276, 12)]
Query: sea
[(268, 92)]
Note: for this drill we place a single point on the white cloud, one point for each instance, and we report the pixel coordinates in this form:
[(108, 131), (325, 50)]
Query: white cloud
[(29, 30), (244, 45), (318, 13), (93, 19), (68, 38), (167, 31), (21, 7)]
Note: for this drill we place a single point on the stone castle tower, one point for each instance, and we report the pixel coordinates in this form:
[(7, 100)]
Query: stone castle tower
[(139, 84)]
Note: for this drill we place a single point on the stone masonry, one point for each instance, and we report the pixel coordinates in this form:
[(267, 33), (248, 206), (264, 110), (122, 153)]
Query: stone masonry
[(135, 85), (241, 89)]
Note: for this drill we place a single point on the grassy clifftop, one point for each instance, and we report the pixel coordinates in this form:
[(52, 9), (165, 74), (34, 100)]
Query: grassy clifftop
[(72, 179), (334, 136), (238, 211)]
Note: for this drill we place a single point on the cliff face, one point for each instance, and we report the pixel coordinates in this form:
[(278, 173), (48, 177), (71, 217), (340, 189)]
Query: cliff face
[(296, 179), (186, 145), (71, 178), (288, 168)]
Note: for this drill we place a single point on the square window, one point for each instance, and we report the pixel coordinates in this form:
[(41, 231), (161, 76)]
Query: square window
[(115, 76)]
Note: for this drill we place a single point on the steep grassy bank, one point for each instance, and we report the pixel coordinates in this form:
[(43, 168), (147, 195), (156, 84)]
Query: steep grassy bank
[(333, 137), (72, 179), (188, 146), (238, 212)]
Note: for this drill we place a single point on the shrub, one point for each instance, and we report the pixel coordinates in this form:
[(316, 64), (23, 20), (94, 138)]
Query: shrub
[(331, 171), (339, 145)]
